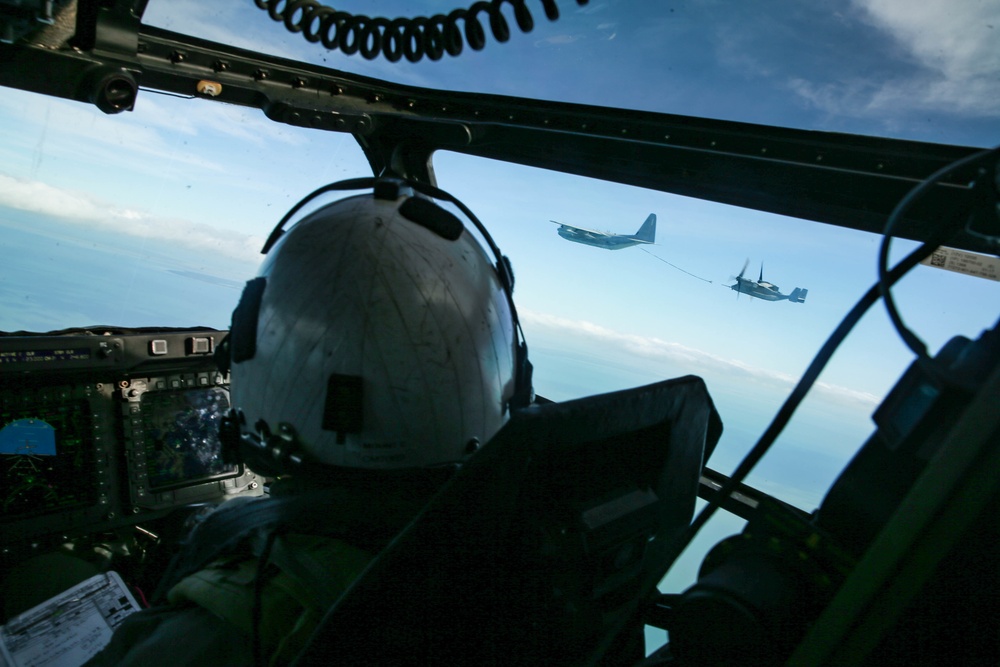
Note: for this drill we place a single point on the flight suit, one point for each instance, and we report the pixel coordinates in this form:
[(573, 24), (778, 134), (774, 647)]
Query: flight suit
[(217, 613)]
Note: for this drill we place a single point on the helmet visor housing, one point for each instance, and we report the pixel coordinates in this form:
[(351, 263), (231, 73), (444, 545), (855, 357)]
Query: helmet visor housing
[(383, 343)]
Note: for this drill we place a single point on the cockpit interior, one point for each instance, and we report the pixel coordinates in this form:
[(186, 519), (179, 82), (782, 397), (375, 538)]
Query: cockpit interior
[(110, 443)]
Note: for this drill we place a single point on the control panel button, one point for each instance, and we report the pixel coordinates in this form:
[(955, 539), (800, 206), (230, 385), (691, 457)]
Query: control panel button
[(200, 345)]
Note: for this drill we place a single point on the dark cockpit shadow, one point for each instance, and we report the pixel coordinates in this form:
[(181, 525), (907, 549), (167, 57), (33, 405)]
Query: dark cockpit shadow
[(543, 547)]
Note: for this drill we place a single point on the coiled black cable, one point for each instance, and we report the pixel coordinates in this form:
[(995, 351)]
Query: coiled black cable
[(412, 38)]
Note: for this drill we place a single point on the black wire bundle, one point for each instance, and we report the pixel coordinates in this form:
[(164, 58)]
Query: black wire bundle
[(887, 278), (412, 38), (911, 339)]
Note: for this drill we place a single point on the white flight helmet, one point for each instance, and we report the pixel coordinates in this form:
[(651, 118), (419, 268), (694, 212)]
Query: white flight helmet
[(377, 335)]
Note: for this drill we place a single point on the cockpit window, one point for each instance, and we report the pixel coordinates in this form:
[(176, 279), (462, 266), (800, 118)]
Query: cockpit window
[(149, 218), (858, 66), (156, 217), (602, 311)]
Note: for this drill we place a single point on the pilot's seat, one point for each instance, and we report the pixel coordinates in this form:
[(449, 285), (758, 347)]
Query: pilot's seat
[(543, 547)]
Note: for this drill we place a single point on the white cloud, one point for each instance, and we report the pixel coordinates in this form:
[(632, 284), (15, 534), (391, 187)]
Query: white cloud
[(592, 8), (957, 39), (149, 133), (954, 44), (856, 396), (240, 24), (241, 123), (70, 130), (86, 210), (558, 40), (648, 349)]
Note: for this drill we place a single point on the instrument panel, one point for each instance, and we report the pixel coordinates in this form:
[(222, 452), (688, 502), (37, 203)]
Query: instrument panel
[(104, 430)]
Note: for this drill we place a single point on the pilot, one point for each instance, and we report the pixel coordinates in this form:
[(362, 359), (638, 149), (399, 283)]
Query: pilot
[(375, 352)]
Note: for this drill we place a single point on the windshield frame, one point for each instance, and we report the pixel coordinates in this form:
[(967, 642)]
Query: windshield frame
[(846, 180)]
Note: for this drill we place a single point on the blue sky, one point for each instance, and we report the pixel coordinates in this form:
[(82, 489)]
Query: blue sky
[(865, 66), (191, 188)]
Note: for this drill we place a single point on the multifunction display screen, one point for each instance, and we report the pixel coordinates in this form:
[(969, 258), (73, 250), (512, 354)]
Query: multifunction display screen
[(182, 436), (47, 458)]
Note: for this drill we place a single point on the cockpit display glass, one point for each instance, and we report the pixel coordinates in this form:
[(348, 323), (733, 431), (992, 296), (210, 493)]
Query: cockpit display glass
[(182, 437), (47, 458)]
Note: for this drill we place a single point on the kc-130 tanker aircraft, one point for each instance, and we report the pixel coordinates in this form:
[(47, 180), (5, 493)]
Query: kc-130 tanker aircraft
[(609, 240)]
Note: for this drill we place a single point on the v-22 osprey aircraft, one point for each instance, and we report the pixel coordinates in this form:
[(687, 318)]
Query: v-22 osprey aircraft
[(608, 240), (762, 289)]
